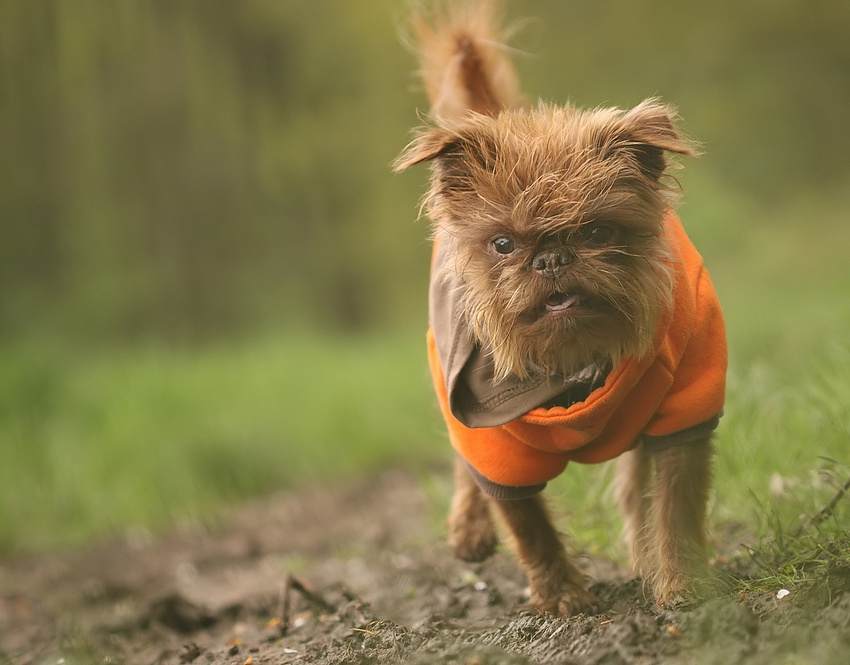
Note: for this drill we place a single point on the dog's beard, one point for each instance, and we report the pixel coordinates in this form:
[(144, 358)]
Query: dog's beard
[(605, 308)]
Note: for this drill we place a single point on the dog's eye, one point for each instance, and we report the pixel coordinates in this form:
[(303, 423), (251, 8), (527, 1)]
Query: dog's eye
[(503, 245), (601, 234)]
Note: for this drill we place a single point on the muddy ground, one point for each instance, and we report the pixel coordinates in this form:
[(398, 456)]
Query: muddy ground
[(378, 587)]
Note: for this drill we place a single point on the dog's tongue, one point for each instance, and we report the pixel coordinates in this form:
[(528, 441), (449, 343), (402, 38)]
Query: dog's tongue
[(561, 301)]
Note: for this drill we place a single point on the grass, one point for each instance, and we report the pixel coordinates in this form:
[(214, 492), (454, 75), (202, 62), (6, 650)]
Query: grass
[(97, 442), (813, 561)]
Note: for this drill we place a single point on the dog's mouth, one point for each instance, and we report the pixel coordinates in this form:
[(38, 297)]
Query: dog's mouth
[(561, 302), (563, 305)]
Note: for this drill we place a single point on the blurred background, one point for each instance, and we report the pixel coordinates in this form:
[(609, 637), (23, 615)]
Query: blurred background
[(212, 286)]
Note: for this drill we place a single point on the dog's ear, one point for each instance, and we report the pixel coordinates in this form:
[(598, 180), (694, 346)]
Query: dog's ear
[(458, 151), (426, 146), (648, 131)]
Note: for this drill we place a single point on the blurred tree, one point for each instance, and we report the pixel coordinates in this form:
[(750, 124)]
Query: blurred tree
[(211, 167), (184, 168)]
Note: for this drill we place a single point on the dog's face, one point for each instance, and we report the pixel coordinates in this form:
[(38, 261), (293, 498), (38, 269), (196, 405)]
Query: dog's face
[(554, 219)]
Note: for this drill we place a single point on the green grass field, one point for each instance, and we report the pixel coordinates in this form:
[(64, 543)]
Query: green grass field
[(95, 442), (103, 440)]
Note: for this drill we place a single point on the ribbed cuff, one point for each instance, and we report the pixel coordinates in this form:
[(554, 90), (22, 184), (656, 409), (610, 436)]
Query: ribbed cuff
[(654, 444), (504, 492)]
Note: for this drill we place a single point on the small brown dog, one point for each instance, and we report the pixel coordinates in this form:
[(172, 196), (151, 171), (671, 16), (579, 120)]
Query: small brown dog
[(571, 319)]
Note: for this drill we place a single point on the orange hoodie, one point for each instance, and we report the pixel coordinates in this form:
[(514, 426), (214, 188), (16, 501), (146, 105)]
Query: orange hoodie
[(675, 393)]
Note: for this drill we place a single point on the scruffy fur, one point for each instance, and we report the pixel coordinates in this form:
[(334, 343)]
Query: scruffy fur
[(554, 220)]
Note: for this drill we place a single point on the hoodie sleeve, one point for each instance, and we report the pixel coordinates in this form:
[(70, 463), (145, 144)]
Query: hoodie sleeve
[(695, 399)]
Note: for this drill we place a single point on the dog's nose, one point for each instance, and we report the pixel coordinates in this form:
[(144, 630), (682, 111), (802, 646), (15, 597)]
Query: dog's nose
[(551, 262)]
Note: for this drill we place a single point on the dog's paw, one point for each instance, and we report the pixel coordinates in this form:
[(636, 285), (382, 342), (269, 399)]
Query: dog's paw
[(473, 540), (568, 601), (680, 591), (671, 590), (561, 592), (671, 601)]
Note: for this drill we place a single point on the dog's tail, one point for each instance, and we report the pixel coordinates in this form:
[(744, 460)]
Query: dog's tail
[(464, 63)]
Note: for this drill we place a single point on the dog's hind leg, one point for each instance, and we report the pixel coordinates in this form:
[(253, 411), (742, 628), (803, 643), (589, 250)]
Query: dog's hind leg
[(680, 498), (631, 488)]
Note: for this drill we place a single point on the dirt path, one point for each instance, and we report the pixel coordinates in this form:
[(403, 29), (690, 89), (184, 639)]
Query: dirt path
[(383, 591)]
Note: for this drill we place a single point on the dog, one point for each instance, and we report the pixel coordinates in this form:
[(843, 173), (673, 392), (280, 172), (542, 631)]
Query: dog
[(571, 318)]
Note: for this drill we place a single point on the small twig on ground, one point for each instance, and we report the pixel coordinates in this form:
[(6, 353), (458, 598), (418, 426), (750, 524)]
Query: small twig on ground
[(824, 512), (317, 603)]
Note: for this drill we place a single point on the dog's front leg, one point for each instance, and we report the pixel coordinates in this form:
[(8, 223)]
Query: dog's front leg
[(556, 585), (471, 531), (682, 483)]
